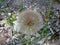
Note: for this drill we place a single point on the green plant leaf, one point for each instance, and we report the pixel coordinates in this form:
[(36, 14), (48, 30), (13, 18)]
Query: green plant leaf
[(9, 21), (21, 8), (14, 18)]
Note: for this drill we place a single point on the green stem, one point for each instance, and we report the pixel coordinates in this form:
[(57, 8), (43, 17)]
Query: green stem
[(27, 43), (49, 10)]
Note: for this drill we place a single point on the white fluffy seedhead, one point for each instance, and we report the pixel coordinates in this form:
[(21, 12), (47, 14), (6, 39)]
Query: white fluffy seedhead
[(29, 21)]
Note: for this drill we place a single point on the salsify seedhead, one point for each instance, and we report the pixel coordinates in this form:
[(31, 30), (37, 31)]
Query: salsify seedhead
[(29, 21)]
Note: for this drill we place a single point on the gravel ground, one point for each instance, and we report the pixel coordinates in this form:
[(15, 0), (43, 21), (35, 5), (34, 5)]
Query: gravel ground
[(39, 5)]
